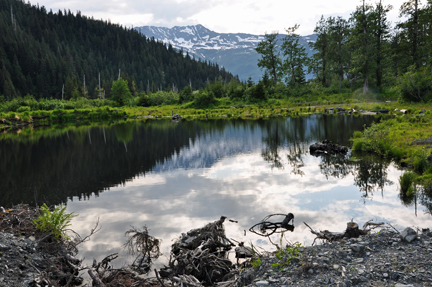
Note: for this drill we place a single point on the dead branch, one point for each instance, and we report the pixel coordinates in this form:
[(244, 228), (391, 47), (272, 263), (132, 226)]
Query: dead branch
[(96, 281), (351, 231)]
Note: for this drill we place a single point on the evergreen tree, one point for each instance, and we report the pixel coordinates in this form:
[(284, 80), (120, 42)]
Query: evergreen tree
[(381, 30), (270, 61), (320, 60), (361, 42), (338, 55), (295, 57), (120, 92)]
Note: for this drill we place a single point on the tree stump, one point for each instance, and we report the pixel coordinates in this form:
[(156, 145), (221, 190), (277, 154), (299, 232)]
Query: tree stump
[(352, 230)]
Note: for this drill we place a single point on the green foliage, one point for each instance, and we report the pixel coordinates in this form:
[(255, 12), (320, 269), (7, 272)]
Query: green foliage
[(374, 139), (217, 88), (256, 260), (416, 86), (120, 92), (287, 255), (185, 95), (163, 98), (421, 162), (23, 109), (270, 61), (204, 99), (56, 48), (54, 221), (296, 58), (407, 182)]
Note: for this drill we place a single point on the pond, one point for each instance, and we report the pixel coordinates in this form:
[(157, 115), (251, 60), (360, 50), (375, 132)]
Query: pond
[(175, 176)]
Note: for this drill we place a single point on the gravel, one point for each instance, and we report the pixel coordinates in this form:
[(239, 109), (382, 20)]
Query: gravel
[(376, 259)]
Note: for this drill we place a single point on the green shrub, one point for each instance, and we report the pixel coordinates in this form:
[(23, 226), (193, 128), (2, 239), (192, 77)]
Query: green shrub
[(54, 221), (407, 181), (416, 86), (204, 99), (23, 109), (421, 162)]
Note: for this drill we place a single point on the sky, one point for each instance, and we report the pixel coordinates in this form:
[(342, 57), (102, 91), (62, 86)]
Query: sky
[(222, 16)]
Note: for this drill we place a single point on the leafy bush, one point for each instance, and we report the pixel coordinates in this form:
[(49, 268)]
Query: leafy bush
[(204, 99), (163, 98), (416, 86), (23, 109), (185, 95), (120, 92), (54, 221)]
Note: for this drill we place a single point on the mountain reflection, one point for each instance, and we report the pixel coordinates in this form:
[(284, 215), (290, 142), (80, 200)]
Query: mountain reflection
[(55, 166)]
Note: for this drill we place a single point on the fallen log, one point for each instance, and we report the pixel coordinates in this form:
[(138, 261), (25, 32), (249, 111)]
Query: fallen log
[(352, 231)]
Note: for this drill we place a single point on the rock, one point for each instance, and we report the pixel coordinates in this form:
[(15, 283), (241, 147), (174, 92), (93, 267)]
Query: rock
[(335, 267), (408, 235), (422, 112), (357, 248), (383, 111), (262, 283)]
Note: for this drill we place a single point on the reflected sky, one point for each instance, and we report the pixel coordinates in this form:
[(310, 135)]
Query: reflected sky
[(243, 187), (173, 177)]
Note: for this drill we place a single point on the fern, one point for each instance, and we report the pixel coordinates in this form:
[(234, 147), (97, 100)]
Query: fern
[(54, 221)]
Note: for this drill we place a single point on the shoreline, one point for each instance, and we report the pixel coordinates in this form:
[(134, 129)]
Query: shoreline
[(383, 258)]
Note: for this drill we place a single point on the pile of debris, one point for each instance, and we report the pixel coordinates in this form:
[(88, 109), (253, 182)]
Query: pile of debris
[(327, 147)]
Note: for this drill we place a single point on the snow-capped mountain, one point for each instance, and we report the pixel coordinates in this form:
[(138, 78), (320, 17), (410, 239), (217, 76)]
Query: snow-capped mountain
[(234, 51)]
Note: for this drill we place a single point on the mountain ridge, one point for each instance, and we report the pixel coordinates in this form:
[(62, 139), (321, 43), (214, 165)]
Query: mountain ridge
[(234, 51)]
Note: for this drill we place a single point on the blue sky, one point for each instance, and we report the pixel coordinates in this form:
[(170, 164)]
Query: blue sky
[(223, 16)]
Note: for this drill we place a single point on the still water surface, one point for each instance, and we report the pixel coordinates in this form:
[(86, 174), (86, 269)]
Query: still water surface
[(173, 177)]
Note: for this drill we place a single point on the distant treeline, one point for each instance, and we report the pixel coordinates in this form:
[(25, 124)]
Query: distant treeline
[(47, 54), (364, 51)]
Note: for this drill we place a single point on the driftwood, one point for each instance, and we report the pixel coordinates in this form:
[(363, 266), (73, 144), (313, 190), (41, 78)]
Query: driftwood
[(327, 147), (201, 253), (270, 224), (352, 231)]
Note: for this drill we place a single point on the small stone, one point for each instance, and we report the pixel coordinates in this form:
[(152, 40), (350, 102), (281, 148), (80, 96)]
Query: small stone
[(262, 283), (335, 267), (403, 285), (359, 260), (311, 271), (385, 275), (357, 248), (408, 234)]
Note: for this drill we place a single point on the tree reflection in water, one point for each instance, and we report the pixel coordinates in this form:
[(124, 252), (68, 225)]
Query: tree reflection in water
[(370, 174)]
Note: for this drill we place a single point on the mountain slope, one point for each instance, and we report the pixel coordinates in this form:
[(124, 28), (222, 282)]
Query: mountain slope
[(40, 51), (234, 51)]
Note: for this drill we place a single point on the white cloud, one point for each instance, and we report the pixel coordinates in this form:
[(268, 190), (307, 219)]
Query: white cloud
[(223, 16)]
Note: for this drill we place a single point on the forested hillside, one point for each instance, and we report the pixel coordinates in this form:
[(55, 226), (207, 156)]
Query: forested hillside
[(50, 54)]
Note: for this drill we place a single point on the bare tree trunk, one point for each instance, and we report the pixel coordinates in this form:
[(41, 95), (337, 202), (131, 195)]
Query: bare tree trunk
[(415, 54), (100, 95)]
